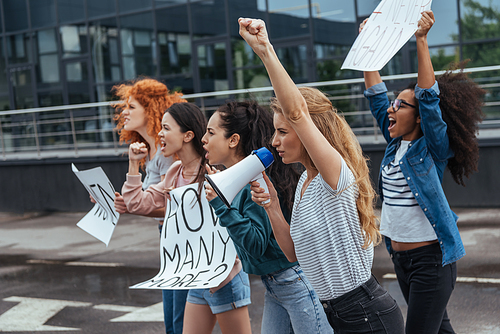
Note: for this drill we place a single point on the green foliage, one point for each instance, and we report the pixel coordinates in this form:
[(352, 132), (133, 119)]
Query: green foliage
[(478, 23)]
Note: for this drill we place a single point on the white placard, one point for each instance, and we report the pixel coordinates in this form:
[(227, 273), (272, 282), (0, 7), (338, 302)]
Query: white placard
[(388, 29), (100, 222), (195, 251)]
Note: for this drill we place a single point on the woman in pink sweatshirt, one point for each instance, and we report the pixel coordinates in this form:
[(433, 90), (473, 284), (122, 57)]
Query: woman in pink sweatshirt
[(183, 126)]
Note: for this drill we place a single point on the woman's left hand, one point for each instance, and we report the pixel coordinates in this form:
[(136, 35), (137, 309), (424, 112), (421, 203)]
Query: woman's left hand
[(425, 23), (209, 191), (120, 206), (259, 195)]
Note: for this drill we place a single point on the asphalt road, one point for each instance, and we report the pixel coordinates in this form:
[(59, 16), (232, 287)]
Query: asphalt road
[(55, 278)]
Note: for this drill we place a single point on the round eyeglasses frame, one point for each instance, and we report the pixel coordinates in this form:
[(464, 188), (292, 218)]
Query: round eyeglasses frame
[(396, 104)]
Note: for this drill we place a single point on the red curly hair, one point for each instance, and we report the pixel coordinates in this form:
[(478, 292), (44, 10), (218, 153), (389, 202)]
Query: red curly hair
[(154, 97)]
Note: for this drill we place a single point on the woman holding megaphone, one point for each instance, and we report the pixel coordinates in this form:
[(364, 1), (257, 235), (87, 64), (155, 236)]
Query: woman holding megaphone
[(183, 126), (333, 228), (290, 304)]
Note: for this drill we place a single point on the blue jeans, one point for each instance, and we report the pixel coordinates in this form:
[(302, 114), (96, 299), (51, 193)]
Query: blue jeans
[(174, 302), (366, 309), (291, 305), (427, 287)]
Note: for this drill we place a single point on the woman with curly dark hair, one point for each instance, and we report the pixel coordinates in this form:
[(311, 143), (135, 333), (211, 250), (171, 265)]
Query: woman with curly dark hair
[(428, 127), (290, 303)]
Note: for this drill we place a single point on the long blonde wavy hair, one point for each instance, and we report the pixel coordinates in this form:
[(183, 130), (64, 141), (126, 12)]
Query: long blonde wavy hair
[(339, 134)]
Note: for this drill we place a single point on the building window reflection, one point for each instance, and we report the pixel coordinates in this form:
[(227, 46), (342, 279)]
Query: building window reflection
[(43, 13), (96, 8), (213, 9), (104, 54), (48, 63), (288, 18), (138, 45), (19, 49), (194, 45), (131, 5), (70, 10), (17, 18), (74, 40)]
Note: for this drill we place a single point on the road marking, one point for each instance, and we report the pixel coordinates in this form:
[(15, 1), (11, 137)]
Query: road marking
[(94, 264), (461, 279), (116, 308), (31, 314), (153, 313), (36, 261), (76, 263)]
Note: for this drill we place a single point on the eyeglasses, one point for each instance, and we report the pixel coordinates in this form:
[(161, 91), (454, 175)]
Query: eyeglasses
[(396, 104)]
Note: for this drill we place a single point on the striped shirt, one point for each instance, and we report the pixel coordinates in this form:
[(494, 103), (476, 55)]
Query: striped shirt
[(402, 219), (327, 236)]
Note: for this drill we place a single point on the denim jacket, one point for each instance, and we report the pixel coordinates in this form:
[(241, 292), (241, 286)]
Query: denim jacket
[(423, 165)]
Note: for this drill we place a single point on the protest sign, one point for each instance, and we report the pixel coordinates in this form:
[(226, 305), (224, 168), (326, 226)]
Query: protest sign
[(388, 29), (195, 251), (100, 222)]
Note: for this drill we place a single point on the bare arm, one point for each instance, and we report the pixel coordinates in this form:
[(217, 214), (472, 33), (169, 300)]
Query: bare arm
[(372, 78), (281, 229), (426, 76), (326, 159)]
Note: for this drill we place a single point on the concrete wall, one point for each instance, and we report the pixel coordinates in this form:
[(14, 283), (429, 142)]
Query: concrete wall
[(50, 185)]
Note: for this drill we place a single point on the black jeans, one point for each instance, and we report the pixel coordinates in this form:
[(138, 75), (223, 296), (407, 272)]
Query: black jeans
[(427, 287), (366, 309)]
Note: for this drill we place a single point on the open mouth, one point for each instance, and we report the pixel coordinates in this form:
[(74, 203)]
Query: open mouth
[(206, 152), (392, 123), (162, 145)]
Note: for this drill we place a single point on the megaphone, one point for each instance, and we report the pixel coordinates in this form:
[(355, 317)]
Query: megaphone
[(228, 183)]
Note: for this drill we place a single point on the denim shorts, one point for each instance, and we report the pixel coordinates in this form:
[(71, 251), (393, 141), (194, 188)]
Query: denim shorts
[(231, 296)]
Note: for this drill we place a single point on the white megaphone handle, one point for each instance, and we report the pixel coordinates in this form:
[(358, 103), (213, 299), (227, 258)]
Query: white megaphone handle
[(263, 185)]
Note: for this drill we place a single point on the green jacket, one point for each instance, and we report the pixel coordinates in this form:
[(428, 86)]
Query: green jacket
[(249, 227)]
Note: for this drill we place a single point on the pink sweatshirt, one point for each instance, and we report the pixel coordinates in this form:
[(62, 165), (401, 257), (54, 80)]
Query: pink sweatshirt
[(142, 202)]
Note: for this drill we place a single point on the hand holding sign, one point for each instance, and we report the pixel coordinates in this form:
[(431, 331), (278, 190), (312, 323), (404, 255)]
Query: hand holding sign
[(387, 30), (195, 251), (100, 222)]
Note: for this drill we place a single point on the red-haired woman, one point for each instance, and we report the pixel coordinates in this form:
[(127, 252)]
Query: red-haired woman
[(139, 116)]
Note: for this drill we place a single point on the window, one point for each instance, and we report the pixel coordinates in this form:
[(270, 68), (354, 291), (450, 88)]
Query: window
[(288, 18), (17, 17), (70, 10), (74, 40), (43, 13), (48, 64), (138, 45), (104, 51)]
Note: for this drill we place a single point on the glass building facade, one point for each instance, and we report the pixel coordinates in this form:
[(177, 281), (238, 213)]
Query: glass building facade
[(57, 52)]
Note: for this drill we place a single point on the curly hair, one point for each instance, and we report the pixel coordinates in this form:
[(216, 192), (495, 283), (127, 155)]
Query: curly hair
[(154, 97), (339, 134), (254, 124), (461, 101)]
